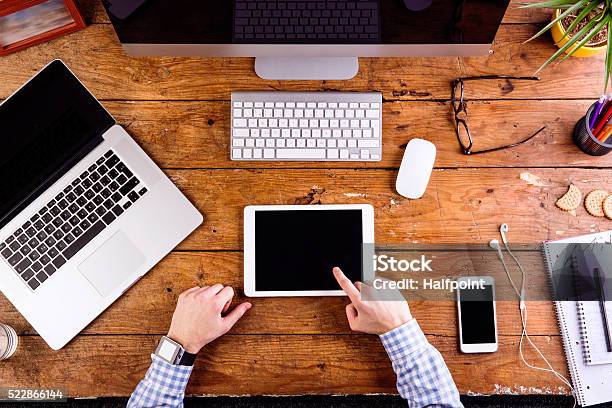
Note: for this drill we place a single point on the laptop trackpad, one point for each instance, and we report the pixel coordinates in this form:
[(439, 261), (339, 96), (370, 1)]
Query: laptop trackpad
[(108, 267)]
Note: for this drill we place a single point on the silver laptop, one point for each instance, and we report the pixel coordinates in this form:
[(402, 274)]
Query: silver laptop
[(84, 212)]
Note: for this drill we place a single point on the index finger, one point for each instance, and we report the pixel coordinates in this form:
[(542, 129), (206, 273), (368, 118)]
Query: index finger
[(346, 284)]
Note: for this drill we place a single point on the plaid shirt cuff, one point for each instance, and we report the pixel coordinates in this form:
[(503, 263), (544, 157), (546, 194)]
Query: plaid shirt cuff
[(169, 376), (163, 386), (404, 340)]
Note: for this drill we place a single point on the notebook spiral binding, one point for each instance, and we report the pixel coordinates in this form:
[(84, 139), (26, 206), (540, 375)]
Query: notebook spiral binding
[(584, 338), (569, 353)]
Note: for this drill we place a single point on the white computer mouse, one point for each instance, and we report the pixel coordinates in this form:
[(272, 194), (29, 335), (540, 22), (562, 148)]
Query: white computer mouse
[(416, 168)]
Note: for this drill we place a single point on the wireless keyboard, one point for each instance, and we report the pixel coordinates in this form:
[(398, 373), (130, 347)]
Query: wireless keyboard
[(306, 126)]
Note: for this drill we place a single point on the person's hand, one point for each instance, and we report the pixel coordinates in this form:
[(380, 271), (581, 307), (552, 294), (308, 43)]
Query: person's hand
[(375, 316), (198, 318)]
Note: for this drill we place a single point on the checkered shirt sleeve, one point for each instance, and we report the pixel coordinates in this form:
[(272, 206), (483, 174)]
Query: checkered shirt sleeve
[(163, 386), (423, 378)]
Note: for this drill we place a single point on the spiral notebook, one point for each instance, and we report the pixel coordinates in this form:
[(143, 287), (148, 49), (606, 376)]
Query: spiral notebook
[(592, 382)]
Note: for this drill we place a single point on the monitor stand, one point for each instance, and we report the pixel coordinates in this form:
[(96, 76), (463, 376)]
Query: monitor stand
[(307, 68)]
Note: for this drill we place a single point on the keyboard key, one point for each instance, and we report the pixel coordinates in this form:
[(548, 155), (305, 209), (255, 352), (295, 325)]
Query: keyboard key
[(61, 245), (129, 186), (13, 260), (98, 200), (47, 217), (108, 204), (50, 241), (142, 191), (6, 253), (84, 239), (33, 283), (42, 248), (301, 154), (58, 234), (84, 225), (74, 221), (117, 210), (58, 222), (133, 196), (53, 252), (36, 266), (110, 163), (41, 277), (108, 154), (108, 217), (77, 232), (44, 259), (14, 246), (26, 249), (23, 265), (22, 239), (127, 205), (50, 269), (59, 261), (27, 274), (33, 242), (69, 239)]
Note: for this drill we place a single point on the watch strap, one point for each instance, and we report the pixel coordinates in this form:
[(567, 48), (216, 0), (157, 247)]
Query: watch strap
[(187, 359)]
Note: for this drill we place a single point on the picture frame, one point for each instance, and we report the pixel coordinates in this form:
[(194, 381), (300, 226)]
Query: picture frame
[(24, 23)]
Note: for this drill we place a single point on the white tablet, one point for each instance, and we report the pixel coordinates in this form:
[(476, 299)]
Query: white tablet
[(290, 250)]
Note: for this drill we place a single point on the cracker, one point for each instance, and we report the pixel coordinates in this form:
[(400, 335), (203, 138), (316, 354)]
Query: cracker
[(570, 200), (607, 207), (594, 202)]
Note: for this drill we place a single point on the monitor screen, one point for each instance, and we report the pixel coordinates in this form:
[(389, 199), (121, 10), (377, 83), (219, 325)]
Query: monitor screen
[(45, 126), (354, 22), (297, 250)]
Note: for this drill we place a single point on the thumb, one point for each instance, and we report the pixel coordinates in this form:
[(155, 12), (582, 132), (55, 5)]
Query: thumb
[(235, 315), (351, 314)]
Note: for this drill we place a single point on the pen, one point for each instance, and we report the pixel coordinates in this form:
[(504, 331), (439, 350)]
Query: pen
[(603, 119), (598, 107), (599, 281)]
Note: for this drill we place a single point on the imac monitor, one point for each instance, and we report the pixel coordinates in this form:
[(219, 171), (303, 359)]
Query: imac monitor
[(306, 39)]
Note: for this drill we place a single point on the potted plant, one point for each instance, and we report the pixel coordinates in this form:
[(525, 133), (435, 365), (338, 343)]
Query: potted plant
[(579, 28)]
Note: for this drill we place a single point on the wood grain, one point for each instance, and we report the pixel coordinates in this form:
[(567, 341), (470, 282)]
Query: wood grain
[(177, 109), (459, 206), (158, 292), (196, 134), (279, 365), (97, 58)]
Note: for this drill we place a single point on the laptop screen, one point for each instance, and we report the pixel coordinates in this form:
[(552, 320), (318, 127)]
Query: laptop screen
[(46, 127)]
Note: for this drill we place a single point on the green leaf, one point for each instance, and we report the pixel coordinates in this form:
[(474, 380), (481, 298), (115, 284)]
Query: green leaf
[(547, 4), (561, 16), (588, 37), (567, 45), (580, 17)]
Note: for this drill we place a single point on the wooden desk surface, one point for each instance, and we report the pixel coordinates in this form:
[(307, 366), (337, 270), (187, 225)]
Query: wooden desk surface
[(178, 111)]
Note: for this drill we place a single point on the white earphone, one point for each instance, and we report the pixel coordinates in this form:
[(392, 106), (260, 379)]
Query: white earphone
[(494, 244)]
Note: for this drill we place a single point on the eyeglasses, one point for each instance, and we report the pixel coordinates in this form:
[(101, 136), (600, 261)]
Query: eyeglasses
[(460, 108)]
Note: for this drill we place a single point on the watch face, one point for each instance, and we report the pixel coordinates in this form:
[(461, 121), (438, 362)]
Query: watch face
[(167, 350)]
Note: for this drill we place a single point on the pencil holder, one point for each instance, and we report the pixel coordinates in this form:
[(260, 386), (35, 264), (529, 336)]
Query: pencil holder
[(586, 141)]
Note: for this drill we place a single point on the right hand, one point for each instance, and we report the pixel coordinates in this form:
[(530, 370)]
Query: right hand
[(374, 316), (198, 318)]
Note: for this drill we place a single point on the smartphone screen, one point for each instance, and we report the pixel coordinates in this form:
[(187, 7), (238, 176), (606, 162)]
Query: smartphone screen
[(477, 315)]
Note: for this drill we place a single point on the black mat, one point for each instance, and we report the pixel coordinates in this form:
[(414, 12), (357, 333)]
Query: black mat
[(324, 402)]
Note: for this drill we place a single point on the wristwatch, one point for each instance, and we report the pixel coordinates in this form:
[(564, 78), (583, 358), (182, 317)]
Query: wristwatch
[(172, 352)]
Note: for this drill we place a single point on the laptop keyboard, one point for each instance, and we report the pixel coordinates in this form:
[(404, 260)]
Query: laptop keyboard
[(305, 20), (72, 219)]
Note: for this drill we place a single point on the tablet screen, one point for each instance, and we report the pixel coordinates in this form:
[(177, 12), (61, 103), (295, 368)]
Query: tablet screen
[(297, 250)]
